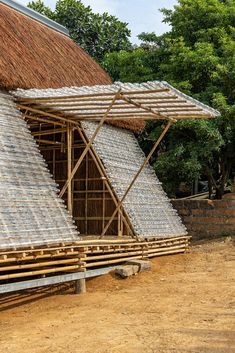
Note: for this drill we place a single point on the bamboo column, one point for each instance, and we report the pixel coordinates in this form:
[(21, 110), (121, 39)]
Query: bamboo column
[(136, 176), (69, 167)]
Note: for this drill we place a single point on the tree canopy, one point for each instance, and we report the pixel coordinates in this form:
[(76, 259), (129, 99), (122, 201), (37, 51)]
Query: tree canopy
[(198, 56), (98, 34)]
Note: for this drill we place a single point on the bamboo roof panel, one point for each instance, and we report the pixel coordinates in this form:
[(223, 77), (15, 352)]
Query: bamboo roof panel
[(145, 101)]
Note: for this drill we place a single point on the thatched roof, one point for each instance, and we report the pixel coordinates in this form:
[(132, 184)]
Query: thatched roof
[(36, 56)]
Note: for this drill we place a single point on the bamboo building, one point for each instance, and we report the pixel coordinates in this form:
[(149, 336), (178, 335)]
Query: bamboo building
[(77, 192)]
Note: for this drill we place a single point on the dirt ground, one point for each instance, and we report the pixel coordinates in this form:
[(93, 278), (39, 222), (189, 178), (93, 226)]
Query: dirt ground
[(185, 304)]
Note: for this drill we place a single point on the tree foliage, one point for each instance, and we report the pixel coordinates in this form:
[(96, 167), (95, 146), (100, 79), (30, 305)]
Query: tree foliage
[(98, 34), (197, 56)]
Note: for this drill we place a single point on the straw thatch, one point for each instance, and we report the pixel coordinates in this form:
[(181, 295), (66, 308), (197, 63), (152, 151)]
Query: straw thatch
[(35, 56)]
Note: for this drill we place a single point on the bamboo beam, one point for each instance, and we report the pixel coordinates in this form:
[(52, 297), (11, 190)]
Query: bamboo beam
[(36, 118), (48, 132), (40, 272), (39, 264), (88, 145), (42, 112), (89, 95), (48, 142), (101, 100), (136, 111), (104, 102), (124, 106), (136, 176)]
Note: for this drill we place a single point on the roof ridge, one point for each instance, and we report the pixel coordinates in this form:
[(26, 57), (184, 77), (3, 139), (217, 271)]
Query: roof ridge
[(36, 16)]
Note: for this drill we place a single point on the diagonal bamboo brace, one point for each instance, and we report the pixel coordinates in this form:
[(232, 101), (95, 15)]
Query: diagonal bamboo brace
[(88, 145), (136, 176)]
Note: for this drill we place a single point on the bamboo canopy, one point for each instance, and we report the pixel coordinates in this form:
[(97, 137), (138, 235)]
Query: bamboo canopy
[(135, 102)]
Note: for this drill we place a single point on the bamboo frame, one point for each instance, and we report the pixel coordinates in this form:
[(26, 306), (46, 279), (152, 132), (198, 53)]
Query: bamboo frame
[(103, 174), (88, 145)]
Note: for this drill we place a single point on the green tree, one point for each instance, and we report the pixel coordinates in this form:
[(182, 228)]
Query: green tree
[(98, 34), (197, 56)]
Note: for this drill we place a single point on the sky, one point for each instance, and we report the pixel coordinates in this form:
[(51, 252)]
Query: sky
[(141, 15)]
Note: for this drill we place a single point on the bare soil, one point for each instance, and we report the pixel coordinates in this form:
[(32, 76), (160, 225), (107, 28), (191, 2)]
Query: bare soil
[(185, 304)]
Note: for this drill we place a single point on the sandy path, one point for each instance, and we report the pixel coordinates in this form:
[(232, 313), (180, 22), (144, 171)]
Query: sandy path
[(185, 304)]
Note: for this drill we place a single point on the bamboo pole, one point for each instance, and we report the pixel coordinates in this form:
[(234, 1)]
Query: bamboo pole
[(86, 195), (127, 105), (136, 176), (69, 167), (128, 110), (39, 264), (48, 142), (48, 132), (40, 272), (104, 102), (41, 120), (45, 113), (89, 95), (87, 148)]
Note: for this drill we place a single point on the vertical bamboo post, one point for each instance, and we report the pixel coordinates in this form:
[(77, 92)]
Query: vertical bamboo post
[(103, 204), (72, 182), (69, 167), (136, 176), (119, 224), (53, 157), (86, 193)]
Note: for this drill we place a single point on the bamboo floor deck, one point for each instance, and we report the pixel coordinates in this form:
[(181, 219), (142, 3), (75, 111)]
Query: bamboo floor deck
[(88, 254)]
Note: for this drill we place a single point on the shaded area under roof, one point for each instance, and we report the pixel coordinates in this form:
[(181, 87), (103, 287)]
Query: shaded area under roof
[(36, 56)]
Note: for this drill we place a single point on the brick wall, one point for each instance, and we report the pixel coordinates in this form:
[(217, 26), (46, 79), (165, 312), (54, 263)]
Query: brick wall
[(207, 218)]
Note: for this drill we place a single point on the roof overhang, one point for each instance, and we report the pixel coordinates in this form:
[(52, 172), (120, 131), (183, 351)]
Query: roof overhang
[(147, 101)]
